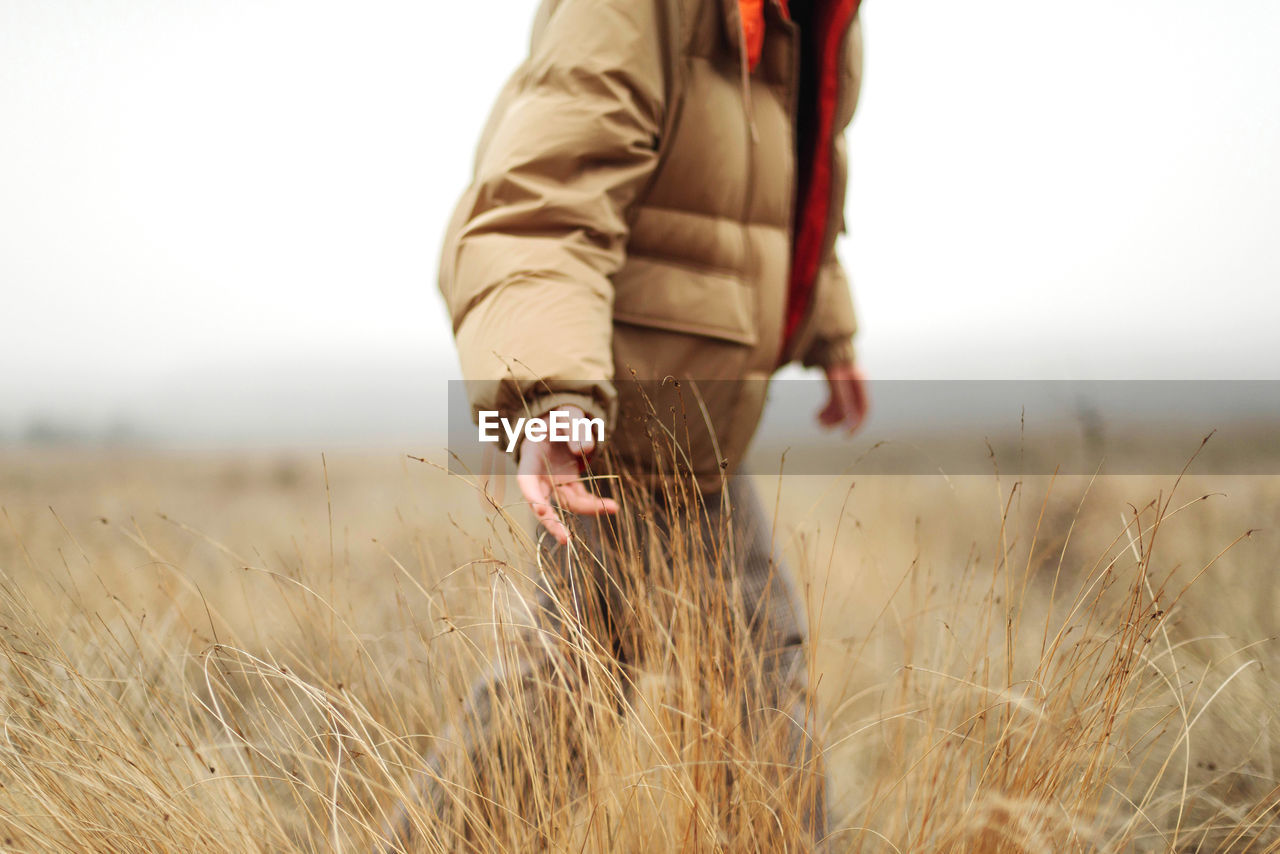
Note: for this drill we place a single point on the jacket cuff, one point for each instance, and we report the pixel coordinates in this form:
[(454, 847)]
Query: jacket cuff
[(541, 404), (833, 351)]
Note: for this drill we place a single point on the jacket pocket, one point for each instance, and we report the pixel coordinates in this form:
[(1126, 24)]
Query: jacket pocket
[(678, 297)]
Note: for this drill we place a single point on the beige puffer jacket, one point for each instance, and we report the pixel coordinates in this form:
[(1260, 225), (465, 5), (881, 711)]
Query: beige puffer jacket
[(632, 217)]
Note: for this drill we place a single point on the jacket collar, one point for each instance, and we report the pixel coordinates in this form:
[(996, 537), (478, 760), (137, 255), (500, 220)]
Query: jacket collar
[(731, 15)]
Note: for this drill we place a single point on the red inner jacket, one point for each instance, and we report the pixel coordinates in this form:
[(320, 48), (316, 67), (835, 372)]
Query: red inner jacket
[(822, 31)]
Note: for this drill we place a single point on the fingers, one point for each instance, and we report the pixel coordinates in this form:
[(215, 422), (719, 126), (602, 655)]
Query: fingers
[(575, 498), (858, 391), (536, 489), (847, 402), (572, 498), (550, 469), (837, 409), (571, 495), (548, 519), (581, 448), (831, 414), (852, 402)]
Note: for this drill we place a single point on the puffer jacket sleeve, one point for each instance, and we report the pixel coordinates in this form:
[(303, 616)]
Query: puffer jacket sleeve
[(527, 264), (835, 321)]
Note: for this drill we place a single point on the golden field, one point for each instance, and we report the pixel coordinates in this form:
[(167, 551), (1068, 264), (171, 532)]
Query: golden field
[(248, 652)]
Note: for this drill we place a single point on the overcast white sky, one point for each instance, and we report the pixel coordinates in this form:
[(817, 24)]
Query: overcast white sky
[(209, 206)]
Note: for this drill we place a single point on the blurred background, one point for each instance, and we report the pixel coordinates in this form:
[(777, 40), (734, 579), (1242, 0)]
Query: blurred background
[(219, 221)]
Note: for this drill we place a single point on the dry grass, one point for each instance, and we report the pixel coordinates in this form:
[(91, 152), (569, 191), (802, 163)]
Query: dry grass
[(1004, 666)]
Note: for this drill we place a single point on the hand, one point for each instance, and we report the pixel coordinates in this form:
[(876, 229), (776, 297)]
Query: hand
[(552, 469), (846, 398)]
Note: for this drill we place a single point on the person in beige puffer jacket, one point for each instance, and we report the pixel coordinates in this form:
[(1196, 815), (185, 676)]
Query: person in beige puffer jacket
[(658, 190), (657, 196)]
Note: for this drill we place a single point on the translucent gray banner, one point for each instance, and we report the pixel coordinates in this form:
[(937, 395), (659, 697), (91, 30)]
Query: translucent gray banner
[(963, 427)]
